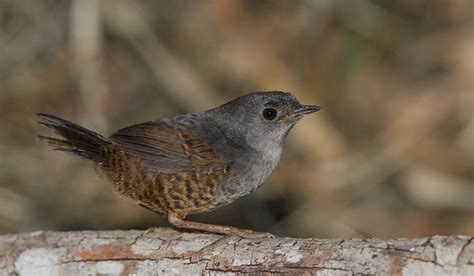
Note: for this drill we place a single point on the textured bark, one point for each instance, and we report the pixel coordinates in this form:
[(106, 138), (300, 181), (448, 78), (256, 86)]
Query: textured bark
[(166, 251)]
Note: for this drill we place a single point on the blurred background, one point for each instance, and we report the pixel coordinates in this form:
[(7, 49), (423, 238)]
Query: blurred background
[(390, 154)]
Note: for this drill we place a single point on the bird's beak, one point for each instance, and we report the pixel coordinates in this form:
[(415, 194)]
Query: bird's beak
[(306, 109)]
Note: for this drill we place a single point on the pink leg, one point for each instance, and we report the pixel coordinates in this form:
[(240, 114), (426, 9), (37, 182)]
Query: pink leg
[(179, 222)]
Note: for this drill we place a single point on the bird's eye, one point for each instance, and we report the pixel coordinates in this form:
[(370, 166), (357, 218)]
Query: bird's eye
[(269, 113)]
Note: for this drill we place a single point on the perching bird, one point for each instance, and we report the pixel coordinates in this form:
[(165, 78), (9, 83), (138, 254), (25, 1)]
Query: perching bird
[(191, 163)]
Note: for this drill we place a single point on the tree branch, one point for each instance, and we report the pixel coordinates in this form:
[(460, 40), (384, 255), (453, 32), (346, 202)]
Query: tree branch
[(166, 251)]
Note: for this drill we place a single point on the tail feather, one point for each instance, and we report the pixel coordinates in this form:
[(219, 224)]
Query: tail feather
[(77, 140)]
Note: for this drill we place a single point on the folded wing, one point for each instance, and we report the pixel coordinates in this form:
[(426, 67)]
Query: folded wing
[(161, 147)]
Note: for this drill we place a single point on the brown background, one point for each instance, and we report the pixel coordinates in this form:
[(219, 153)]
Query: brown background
[(390, 154)]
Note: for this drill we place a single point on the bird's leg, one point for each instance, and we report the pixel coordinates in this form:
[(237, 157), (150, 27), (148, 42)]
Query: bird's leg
[(179, 222)]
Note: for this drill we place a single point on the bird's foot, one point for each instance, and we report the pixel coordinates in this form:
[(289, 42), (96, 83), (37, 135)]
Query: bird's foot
[(247, 233)]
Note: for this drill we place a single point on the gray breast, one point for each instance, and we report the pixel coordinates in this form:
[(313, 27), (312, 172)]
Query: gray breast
[(248, 174)]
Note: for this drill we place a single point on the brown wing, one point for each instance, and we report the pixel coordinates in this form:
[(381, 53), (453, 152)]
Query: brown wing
[(164, 148)]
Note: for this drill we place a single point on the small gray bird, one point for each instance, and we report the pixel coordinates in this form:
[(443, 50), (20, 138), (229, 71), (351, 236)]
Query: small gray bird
[(190, 163)]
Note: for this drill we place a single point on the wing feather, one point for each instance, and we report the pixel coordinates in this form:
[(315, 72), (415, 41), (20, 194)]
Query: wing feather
[(165, 148)]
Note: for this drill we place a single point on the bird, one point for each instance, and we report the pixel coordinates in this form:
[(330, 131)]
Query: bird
[(190, 163)]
